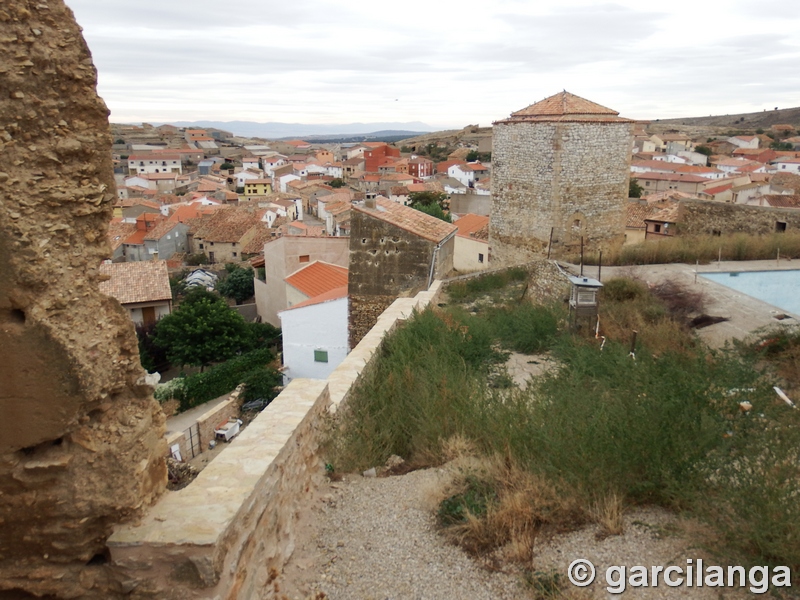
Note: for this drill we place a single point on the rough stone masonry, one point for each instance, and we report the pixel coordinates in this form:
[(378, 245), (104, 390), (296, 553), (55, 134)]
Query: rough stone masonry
[(82, 445)]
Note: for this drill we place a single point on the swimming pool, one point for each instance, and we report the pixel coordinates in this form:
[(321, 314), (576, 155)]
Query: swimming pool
[(778, 288)]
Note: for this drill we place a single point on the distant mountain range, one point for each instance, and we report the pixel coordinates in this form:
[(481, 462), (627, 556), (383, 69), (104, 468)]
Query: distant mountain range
[(274, 131)]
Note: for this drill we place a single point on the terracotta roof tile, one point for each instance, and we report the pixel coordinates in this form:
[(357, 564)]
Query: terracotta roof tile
[(227, 225), (317, 278), (118, 232), (666, 213), (470, 223), (412, 220), (783, 201), (565, 106), (143, 281), (334, 294), (161, 230)]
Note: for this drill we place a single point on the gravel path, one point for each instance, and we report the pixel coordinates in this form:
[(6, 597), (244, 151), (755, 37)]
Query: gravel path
[(375, 539)]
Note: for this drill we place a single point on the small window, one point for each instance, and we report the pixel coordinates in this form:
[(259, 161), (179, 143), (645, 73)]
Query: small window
[(201, 246), (657, 228), (480, 258), (304, 258), (780, 226), (321, 356), (234, 254)]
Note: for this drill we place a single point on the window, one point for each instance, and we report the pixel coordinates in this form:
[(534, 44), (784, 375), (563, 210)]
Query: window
[(304, 258), (321, 356), (234, 254), (201, 246), (780, 226), (657, 228)]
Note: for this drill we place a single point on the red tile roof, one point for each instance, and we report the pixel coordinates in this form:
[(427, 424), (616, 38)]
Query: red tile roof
[(143, 281), (334, 294), (317, 278), (227, 225), (161, 230), (717, 190), (412, 220), (470, 223), (566, 107)]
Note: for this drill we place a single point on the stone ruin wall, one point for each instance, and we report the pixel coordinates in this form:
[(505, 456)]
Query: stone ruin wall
[(705, 217), (83, 445), (550, 174)]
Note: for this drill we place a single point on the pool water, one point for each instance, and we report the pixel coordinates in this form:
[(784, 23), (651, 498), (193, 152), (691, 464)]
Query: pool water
[(778, 288)]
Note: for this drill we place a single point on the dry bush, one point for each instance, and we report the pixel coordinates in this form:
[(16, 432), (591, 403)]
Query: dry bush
[(607, 512), (456, 447), (519, 506), (680, 300)]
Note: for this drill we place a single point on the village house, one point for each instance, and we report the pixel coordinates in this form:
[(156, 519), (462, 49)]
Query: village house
[(420, 167), (787, 165), (471, 249), (149, 164), (286, 255), (744, 141), (118, 232), (142, 288), (222, 235), (661, 223), (314, 335), (257, 187)]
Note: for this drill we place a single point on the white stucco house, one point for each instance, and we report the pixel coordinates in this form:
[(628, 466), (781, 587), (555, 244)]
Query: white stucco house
[(315, 339)]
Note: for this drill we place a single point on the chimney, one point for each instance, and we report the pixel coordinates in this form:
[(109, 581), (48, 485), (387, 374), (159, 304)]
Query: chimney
[(370, 201), (155, 255)]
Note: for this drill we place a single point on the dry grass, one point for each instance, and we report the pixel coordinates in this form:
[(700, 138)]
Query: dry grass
[(607, 511), (522, 507)]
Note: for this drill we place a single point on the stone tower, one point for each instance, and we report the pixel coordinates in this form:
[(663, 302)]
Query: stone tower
[(562, 163)]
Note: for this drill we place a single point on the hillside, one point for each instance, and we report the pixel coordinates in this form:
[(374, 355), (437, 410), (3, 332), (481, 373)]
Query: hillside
[(764, 119)]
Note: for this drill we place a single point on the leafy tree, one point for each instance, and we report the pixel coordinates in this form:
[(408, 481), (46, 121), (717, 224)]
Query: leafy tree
[(759, 131), (472, 156), (781, 146), (634, 189), (226, 166), (427, 198), (434, 210), (153, 357), (238, 284), (202, 330), (197, 259), (337, 182), (119, 141), (702, 149)]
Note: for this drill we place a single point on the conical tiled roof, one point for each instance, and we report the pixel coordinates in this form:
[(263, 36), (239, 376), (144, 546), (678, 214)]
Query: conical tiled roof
[(565, 107)]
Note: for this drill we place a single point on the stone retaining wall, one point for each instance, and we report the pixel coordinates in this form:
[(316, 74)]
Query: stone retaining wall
[(208, 421), (231, 531), (699, 217)]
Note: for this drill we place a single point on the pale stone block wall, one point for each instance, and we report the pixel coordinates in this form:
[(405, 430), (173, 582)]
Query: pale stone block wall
[(230, 532), (208, 421)]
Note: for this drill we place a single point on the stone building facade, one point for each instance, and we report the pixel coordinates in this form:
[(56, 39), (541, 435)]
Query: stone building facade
[(562, 163), (395, 251)]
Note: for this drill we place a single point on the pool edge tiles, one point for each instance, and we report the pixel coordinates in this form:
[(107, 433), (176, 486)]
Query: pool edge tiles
[(778, 288)]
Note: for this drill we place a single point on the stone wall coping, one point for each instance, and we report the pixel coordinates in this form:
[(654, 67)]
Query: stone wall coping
[(201, 513)]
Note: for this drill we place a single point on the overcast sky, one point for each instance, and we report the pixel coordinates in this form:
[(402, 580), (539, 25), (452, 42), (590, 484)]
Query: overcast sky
[(442, 62)]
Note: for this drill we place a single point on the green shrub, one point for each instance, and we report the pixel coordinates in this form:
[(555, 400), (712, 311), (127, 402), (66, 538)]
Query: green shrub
[(525, 327), (481, 284), (223, 378), (261, 383), (474, 500)]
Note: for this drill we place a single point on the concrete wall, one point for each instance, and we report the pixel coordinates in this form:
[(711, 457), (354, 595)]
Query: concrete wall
[(708, 217), (282, 258), (230, 532), (572, 177)]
